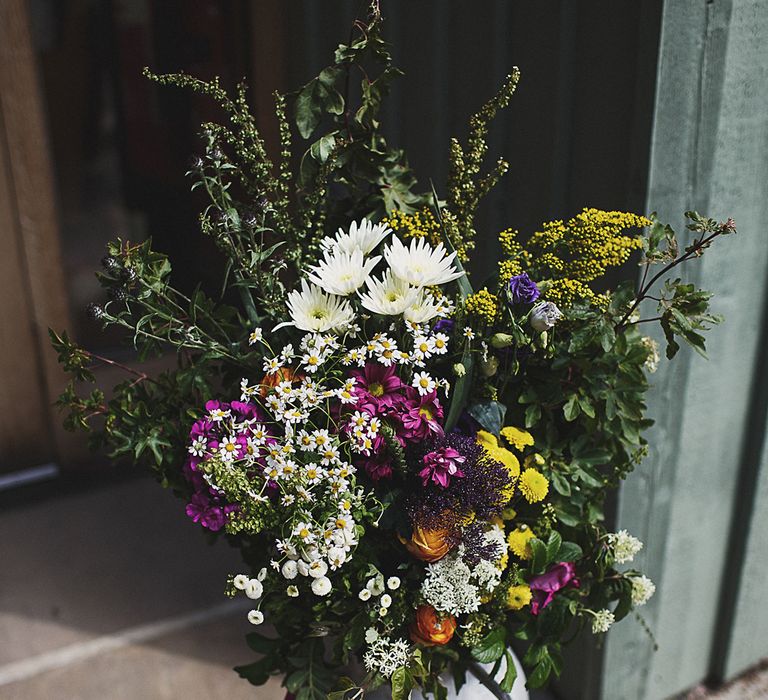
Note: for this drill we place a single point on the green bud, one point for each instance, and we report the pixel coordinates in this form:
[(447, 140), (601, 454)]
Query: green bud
[(490, 366), (502, 340)]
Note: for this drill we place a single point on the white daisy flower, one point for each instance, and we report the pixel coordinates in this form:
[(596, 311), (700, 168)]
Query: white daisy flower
[(256, 336), (440, 343), (313, 310), (364, 237), (420, 264), (469, 333), (342, 273), (424, 383), (389, 296), (217, 415), (198, 446)]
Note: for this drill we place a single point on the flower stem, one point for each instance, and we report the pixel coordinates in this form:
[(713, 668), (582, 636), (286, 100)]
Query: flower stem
[(484, 677)]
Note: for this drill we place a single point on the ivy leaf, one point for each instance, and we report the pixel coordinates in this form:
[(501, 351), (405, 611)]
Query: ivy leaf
[(571, 408)]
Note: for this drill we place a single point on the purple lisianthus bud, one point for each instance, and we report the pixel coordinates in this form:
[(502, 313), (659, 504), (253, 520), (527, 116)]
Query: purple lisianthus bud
[(522, 289), (544, 316), (444, 325)]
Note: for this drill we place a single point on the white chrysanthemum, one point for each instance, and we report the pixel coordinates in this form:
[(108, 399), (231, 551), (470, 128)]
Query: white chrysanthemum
[(642, 590), (602, 621), (321, 586), (240, 581), (255, 617), (424, 309), (624, 545), (342, 273), (393, 583), (389, 296), (313, 310), (420, 264), (290, 570), (254, 589), (364, 237)]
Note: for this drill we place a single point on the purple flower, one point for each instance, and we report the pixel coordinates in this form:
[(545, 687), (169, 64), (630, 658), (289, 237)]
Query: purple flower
[(440, 465), (522, 289), (377, 388), (421, 416), (208, 512), (545, 586), (444, 325)]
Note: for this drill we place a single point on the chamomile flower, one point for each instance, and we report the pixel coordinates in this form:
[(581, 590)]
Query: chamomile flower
[(364, 237), (256, 336), (198, 447), (229, 449), (423, 383), (311, 309), (389, 296), (420, 264), (304, 532), (217, 415), (342, 273), (272, 365), (440, 343), (468, 333)]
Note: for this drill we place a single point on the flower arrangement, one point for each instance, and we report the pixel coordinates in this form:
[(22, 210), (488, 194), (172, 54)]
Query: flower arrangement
[(414, 466)]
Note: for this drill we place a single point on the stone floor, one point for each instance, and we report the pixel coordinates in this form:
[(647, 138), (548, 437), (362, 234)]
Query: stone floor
[(113, 594)]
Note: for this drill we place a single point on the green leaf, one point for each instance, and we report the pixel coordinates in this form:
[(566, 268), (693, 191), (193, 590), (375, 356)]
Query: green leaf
[(511, 673), (402, 683), (571, 408), (490, 415), (460, 391), (569, 551), (561, 483), (491, 647), (554, 542)]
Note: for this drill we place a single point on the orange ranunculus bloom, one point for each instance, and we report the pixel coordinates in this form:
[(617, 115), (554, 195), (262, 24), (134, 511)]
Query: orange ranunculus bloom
[(286, 374), (430, 630), (427, 545)]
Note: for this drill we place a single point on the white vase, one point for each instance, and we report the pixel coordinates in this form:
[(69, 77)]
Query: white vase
[(473, 689)]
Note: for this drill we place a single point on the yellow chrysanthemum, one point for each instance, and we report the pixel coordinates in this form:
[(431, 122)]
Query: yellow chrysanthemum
[(519, 542), (516, 437), (504, 561), (518, 597), (501, 454), (533, 485)]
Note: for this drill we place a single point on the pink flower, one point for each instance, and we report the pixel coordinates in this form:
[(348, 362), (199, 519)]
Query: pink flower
[(421, 416), (441, 465), (377, 388), (546, 585), (378, 467)]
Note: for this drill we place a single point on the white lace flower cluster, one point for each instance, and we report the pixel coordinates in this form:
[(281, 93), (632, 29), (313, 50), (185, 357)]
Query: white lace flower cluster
[(385, 655), (642, 590), (453, 587), (323, 304), (602, 621), (624, 546)]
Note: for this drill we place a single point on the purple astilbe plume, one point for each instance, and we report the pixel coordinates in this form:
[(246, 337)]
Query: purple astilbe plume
[(476, 547), (483, 491)]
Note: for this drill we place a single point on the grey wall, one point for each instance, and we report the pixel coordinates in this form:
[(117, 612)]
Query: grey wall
[(700, 500)]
